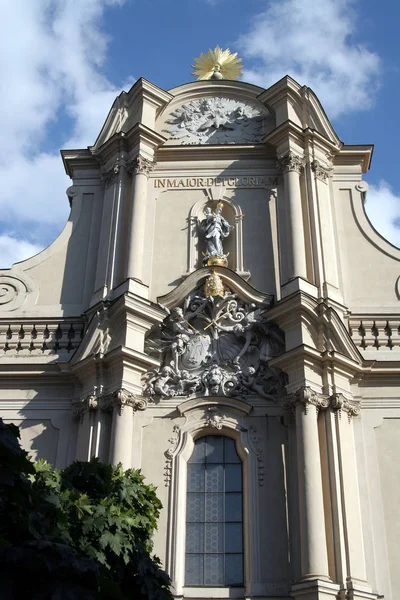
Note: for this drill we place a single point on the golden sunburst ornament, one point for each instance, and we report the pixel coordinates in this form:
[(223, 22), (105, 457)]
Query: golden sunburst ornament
[(217, 64)]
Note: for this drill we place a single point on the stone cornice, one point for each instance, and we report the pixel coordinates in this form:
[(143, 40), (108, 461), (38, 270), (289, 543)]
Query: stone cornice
[(354, 155), (148, 91), (214, 401), (286, 134), (221, 152), (236, 283), (73, 159), (138, 139)]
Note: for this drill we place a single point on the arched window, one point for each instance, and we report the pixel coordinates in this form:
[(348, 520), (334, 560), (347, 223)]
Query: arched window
[(214, 514)]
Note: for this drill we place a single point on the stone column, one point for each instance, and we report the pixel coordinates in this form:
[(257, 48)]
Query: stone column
[(314, 558), (350, 510), (140, 168), (292, 166), (123, 405)]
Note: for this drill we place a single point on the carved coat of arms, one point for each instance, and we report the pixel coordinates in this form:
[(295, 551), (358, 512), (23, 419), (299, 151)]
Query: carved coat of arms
[(215, 345)]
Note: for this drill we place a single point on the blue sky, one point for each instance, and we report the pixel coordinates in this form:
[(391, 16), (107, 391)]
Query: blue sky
[(64, 61)]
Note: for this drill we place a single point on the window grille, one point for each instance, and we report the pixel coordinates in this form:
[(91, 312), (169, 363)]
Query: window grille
[(214, 514)]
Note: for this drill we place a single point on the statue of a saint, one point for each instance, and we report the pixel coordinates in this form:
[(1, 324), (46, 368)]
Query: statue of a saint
[(215, 228)]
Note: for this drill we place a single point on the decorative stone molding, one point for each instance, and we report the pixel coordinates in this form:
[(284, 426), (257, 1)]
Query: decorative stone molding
[(306, 396), (120, 399), (13, 292), (41, 338), (107, 402), (88, 404), (291, 162), (375, 333), (215, 346), (140, 165), (216, 120), (321, 172), (110, 176), (169, 453), (339, 402), (254, 440), (214, 418)]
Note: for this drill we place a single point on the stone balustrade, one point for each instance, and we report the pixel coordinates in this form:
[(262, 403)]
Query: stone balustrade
[(53, 337)]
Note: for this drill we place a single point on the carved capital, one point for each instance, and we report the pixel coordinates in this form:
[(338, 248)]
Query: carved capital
[(321, 172), (90, 403), (306, 396), (120, 399), (140, 165), (291, 162), (339, 402), (110, 176)]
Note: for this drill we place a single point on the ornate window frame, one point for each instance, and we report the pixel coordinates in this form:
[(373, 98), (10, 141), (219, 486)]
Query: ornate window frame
[(196, 213), (213, 416)]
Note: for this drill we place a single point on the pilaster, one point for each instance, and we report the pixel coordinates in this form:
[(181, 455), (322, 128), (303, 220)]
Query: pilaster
[(306, 404), (292, 166), (140, 167)]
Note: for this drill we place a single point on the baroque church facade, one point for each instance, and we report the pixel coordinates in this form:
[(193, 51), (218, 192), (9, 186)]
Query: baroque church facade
[(219, 312)]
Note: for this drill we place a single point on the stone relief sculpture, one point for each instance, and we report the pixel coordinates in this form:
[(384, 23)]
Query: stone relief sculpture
[(213, 346), (216, 120), (215, 228)]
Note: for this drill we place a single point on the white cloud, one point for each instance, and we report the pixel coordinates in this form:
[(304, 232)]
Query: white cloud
[(383, 210), (312, 42), (54, 69), (13, 249)]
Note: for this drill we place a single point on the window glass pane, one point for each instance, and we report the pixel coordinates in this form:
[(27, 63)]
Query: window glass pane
[(231, 456), (214, 478), (213, 569), (233, 478), (194, 569), (233, 507), (195, 537), (215, 449), (214, 538), (214, 528), (195, 477), (233, 537), (199, 452), (214, 507), (233, 569), (195, 508)]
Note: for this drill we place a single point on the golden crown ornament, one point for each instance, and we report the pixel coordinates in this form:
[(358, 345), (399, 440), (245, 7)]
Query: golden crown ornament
[(217, 64)]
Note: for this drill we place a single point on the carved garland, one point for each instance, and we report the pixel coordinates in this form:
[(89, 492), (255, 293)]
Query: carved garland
[(169, 454), (254, 440)]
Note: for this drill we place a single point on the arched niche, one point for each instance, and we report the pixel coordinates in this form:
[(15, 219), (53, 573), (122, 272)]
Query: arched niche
[(233, 244)]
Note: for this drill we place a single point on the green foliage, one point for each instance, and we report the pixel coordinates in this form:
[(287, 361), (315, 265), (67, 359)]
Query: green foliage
[(84, 532)]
